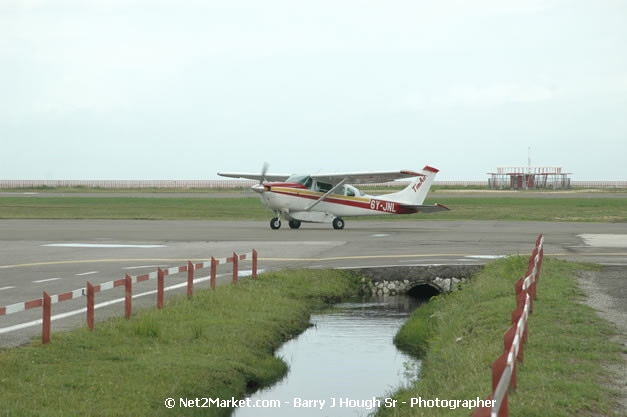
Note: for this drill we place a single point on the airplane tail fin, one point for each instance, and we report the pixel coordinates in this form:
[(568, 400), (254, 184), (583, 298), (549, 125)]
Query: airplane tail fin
[(416, 192)]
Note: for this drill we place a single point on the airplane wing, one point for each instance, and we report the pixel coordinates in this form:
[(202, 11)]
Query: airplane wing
[(255, 176), (365, 177), (426, 209)]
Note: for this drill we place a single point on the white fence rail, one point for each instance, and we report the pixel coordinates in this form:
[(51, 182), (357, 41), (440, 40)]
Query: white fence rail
[(227, 184)]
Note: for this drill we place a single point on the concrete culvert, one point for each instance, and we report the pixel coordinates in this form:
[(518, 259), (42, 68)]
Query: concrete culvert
[(420, 281), (423, 292)]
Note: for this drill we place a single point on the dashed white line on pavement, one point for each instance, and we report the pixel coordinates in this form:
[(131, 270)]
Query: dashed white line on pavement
[(101, 245), (87, 273), (486, 256), (45, 280), (6, 288)]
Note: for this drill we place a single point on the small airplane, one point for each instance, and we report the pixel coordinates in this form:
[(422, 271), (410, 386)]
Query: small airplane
[(327, 198)]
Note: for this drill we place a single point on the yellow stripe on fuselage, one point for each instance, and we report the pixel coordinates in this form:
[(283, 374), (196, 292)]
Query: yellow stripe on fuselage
[(297, 192)]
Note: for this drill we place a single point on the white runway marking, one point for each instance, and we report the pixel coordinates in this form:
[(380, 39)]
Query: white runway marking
[(87, 273), (379, 235), (146, 266), (45, 280), (6, 288), (117, 300), (486, 256), (605, 240), (101, 245)]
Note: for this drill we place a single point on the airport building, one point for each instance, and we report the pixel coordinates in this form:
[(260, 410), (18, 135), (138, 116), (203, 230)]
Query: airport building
[(528, 178)]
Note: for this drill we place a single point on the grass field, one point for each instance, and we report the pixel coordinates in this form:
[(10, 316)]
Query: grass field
[(608, 210), (99, 190), (460, 335), (219, 344)]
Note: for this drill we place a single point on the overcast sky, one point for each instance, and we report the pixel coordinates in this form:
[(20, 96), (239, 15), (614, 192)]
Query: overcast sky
[(147, 89)]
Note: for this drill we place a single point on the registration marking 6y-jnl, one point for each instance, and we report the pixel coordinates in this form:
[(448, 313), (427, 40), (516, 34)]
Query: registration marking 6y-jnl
[(386, 206)]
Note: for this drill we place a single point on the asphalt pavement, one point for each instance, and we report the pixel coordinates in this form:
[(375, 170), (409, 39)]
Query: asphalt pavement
[(61, 255)]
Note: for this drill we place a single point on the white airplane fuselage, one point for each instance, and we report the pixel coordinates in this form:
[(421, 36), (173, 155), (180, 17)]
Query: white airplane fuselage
[(293, 201)]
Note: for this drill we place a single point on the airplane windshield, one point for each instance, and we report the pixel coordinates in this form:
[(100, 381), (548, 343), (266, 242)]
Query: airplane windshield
[(353, 191), (301, 179)]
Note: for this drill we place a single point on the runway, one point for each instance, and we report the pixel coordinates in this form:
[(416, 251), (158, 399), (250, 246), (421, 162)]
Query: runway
[(60, 256)]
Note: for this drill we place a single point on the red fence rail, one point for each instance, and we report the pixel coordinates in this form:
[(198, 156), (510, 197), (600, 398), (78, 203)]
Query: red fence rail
[(90, 290), (505, 367)]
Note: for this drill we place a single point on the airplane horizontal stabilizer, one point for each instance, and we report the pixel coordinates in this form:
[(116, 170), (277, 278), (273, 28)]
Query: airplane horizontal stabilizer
[(425, 209)]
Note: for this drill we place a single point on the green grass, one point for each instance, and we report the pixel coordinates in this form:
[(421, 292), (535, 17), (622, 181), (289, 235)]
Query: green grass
[(219, 344), (97, 190), (132, 208), (607, 210), (563, 371)]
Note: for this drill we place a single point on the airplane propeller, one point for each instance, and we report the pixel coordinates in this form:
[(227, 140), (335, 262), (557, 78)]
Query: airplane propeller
[(259, 188), (264, 169)]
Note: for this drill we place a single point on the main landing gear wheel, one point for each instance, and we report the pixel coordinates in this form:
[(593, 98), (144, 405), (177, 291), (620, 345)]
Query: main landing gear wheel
[(275, 223), (338, 223), (294, 224)]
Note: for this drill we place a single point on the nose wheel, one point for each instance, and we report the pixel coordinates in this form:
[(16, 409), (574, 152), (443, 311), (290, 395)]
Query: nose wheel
[(275, 223), (338, 223)]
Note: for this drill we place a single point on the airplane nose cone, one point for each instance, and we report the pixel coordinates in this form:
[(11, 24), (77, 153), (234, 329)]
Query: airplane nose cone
[(258, 188)]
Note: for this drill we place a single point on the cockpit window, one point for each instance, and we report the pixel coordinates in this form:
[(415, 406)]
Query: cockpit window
[(353, 192), (323, 186), (301, 179)]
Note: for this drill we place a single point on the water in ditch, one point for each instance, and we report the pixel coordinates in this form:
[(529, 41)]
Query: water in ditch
[(346, 359)]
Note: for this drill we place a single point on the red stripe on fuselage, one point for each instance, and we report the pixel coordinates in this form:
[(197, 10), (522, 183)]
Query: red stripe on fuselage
[(358, 204), (328, 200)]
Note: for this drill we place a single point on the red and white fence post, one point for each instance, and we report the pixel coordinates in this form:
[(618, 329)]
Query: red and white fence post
[(508, 340), (235, 263), (128, 296), (498, 368), (190, 279), (254, 264), (45, 329), (214, 267), (90, 306), (160, 287)]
